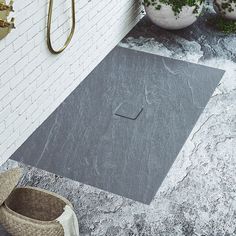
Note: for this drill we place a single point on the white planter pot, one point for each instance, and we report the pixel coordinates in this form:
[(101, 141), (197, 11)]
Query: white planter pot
[(226, 13), (166, 18)]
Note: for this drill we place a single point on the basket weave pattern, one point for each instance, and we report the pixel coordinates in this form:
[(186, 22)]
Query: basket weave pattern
[(19, 227), (32, 212), (8, 181)]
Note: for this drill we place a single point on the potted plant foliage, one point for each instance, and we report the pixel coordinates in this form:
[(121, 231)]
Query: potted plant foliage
[(226, 8), (173, 14)]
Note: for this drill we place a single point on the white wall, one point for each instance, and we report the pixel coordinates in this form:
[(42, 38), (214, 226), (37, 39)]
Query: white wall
[(34, 82)]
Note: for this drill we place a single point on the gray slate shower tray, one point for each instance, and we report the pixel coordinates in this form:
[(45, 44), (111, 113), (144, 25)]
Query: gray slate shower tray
[(85, 139)]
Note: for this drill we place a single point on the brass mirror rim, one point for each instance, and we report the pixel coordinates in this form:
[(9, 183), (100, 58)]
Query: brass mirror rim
[(49, 23)]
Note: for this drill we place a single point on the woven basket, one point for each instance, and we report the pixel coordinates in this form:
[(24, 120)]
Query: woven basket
[(30, 211)]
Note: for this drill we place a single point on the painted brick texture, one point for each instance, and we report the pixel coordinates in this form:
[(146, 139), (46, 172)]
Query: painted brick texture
[(33, 82)]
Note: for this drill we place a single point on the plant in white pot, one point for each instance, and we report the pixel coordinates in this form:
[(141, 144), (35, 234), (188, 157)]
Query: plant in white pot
[(173, 14), (226, 8)]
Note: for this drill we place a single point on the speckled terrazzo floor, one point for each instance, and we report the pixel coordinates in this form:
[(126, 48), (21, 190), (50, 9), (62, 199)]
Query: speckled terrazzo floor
[(198, 196)]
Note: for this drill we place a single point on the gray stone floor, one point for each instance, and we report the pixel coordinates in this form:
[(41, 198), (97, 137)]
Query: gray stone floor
[(85, 141), (198, 195)]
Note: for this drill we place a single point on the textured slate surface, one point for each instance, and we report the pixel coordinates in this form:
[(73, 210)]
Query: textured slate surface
[(84, 139)]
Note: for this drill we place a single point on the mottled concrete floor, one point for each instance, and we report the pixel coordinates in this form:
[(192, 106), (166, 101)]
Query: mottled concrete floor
[(198, 196)]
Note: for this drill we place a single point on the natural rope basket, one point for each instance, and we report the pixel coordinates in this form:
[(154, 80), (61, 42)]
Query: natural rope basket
[(29, 211)]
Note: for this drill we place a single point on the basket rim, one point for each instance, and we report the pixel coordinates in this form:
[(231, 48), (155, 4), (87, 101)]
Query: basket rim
[(35, 221), (9, 180)]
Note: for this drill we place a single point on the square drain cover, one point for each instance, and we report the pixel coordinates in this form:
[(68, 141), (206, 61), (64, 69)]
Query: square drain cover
[(129, 110)]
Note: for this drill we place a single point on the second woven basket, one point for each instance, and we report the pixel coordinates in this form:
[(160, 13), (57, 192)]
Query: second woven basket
[(28, 211)]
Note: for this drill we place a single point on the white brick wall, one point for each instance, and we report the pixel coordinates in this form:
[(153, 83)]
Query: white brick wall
[(34, 82)]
